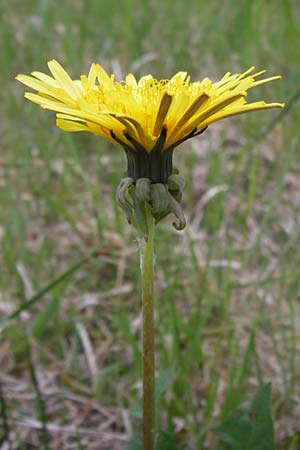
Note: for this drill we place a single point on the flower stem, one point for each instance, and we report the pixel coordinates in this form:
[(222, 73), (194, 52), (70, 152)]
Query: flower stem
[(147, 252)]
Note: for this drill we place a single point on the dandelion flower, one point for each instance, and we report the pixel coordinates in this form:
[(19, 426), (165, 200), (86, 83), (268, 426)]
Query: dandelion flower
[(148, 117)]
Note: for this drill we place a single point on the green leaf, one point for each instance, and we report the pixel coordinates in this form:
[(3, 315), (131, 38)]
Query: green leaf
[(41, 320), (166, 442), (250, 427), (136, 410), (262, 436), (135, 443), (234, 432), (162, 383)]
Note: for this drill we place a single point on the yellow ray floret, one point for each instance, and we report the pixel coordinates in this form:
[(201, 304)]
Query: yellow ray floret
[(141, 110)]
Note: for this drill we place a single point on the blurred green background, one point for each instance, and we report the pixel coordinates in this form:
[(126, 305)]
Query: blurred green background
[(227, 290)]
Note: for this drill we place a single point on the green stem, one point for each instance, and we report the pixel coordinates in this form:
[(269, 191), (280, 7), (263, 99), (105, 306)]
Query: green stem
[(147, 251)]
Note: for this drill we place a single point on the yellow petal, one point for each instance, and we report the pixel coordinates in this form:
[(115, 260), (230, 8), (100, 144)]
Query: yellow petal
[(266, 80), (198, 121), (162, 113), (63, 79), (68, 125), (242, 110), (190, 112), (92, 75), (35, 84), (102, 76), (46, 79), (131, 81)]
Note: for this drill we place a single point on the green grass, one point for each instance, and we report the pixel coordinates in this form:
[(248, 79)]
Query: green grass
[(227, 290)]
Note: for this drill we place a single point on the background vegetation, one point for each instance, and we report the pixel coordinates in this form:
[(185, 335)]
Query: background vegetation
[(227, 287)]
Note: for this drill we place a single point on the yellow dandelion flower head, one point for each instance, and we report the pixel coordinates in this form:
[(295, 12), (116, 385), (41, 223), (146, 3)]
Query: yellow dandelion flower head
[(147, 117)]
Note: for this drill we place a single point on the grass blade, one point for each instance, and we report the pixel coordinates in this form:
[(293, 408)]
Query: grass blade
[(62, 277)]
